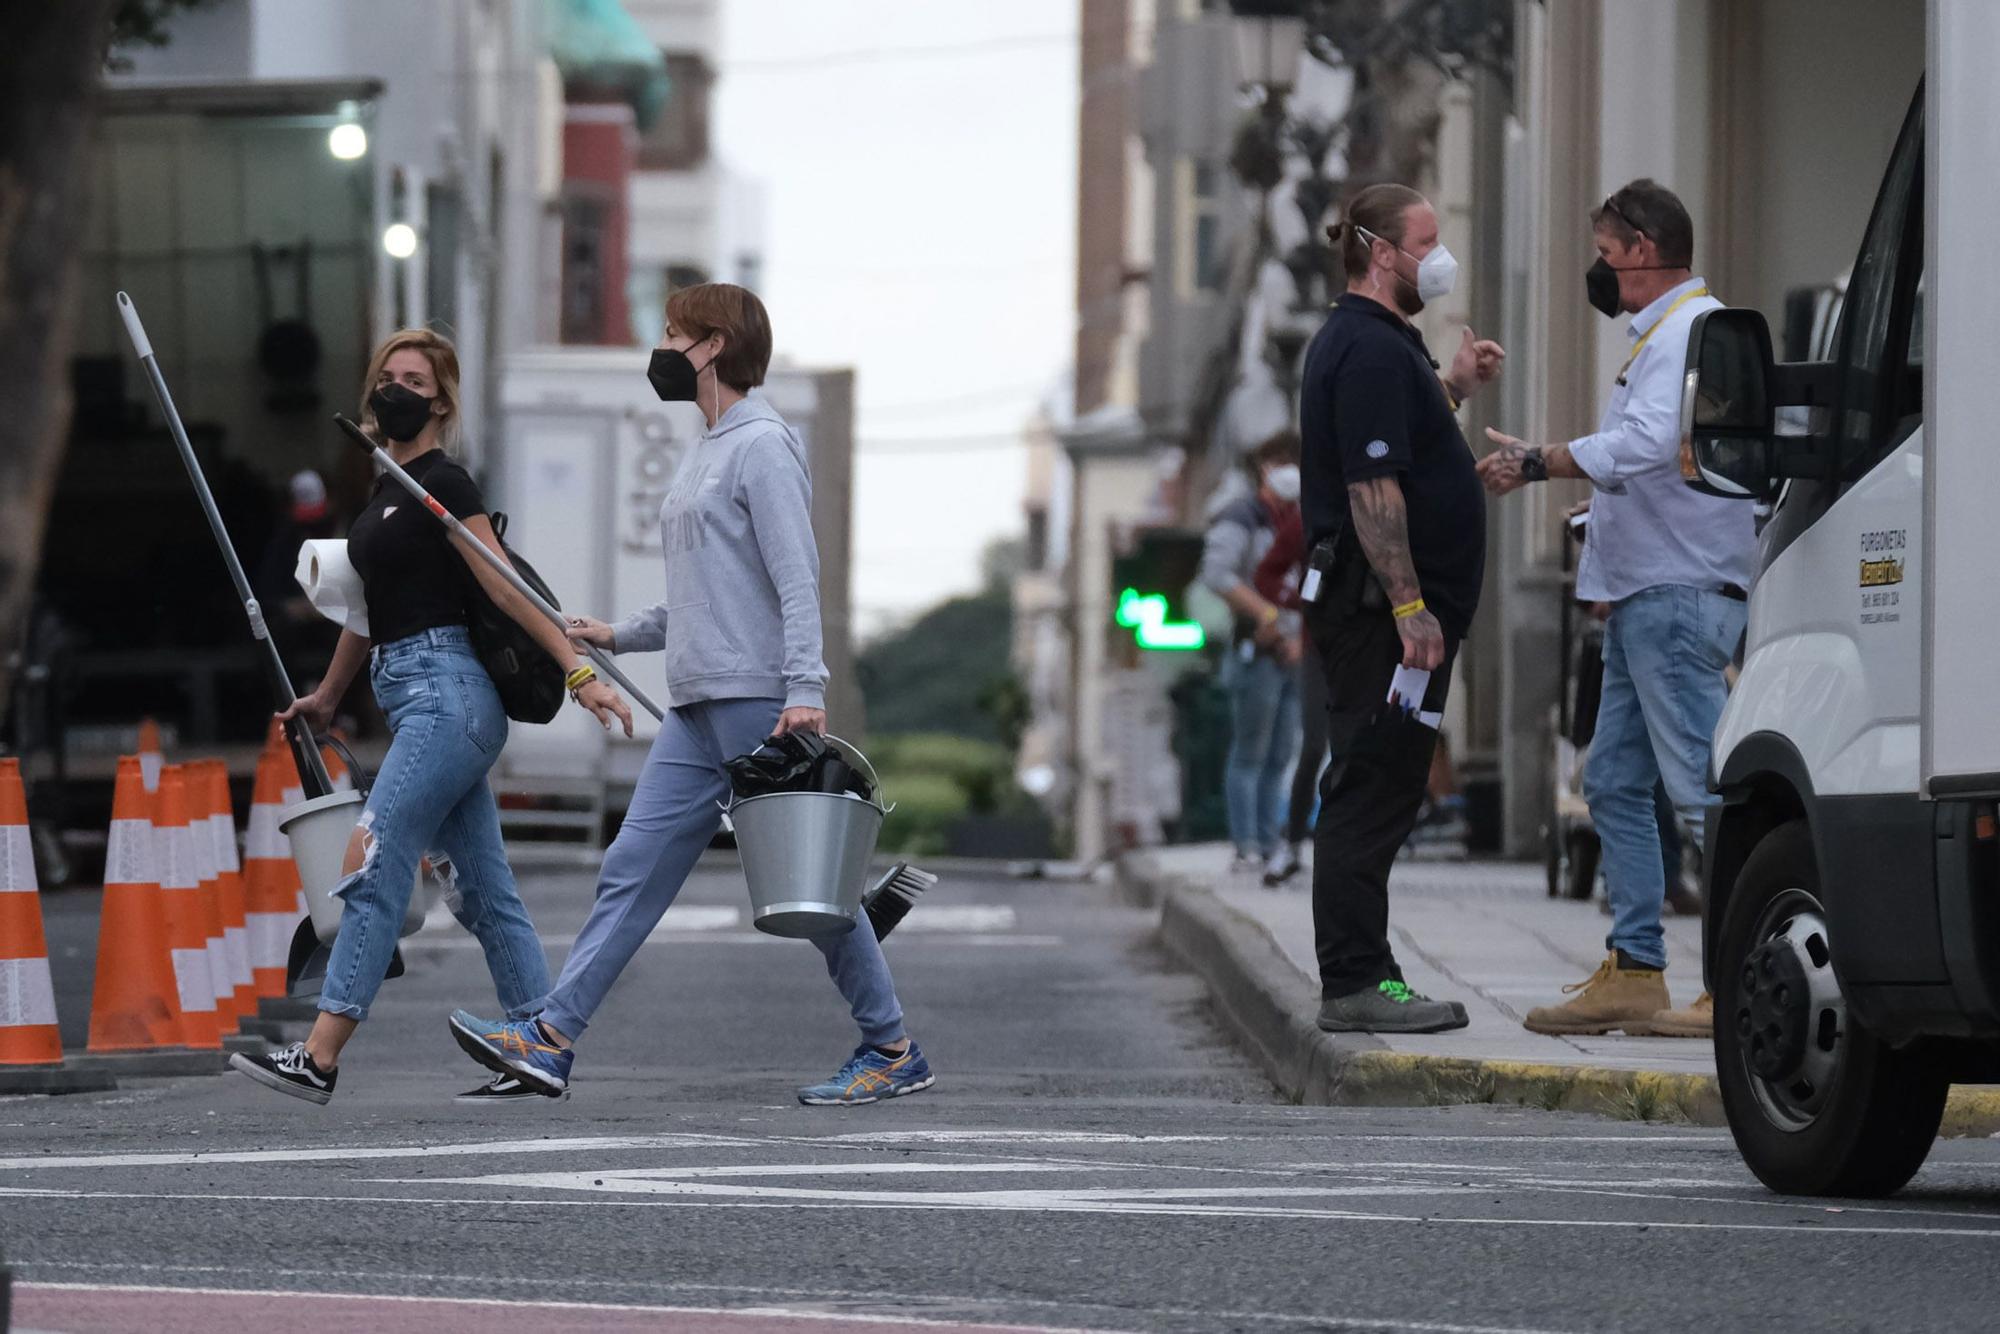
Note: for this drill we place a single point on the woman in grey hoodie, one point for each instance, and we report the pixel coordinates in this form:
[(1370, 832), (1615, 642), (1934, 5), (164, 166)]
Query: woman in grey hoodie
[(741, 629)]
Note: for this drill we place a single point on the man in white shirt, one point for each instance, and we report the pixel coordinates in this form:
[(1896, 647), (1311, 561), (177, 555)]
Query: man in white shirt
[(1674, 565)]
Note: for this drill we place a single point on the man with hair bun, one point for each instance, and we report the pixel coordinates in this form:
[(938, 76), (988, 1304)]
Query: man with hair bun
[(1396, 530)]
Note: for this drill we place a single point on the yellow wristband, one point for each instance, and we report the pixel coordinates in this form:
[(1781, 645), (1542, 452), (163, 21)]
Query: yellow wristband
[(580, 678), (1408, 609)]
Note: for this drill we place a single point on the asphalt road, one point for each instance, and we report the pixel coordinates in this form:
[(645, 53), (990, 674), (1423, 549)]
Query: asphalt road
[(1094, 1155)]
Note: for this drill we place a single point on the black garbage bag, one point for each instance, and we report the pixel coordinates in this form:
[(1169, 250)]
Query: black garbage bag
[(795, 762)]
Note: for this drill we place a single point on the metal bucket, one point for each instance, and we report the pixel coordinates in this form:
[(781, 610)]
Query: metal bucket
[(319, 830), (806, 854)]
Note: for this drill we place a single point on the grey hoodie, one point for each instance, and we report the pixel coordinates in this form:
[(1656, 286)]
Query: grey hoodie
[(741, 616)]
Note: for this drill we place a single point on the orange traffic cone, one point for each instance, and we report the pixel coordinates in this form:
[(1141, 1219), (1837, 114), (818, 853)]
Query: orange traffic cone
[(337, 771), (134, 1006), (30, 1043), (274, 901), (229, 889), (150, 758), (184, 911)]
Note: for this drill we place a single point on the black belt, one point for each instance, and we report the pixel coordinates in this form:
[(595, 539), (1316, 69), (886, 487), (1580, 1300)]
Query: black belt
[(1734, 593)]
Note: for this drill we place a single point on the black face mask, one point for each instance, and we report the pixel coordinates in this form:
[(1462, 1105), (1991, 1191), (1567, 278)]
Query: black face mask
[(400, 411), (1600, 283), (673, 377)]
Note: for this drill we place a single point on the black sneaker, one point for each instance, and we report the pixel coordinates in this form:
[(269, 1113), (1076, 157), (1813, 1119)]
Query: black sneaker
[(507, 1088), (1389, 1007), (1281, 865), (289, 1071)]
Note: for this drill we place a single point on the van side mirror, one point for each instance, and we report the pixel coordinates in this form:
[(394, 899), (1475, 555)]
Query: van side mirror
[(1728, 422)]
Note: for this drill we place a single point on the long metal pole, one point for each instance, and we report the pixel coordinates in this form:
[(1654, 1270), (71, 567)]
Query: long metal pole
[(312, 769), (523, 587)]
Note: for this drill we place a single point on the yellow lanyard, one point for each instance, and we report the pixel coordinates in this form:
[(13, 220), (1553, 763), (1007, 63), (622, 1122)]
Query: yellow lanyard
[(1639, 346)]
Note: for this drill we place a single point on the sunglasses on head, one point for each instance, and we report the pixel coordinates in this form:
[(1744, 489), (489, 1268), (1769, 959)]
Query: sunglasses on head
[(1611, 207)]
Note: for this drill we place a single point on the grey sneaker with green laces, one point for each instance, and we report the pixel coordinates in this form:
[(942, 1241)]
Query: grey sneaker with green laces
[(1389, 1007)]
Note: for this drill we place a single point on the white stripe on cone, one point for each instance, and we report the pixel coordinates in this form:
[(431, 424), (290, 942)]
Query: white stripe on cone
[(17, 859), (193, 981), (235, 939), (129, 858), (27, 996), (175, 847), (201, 837)]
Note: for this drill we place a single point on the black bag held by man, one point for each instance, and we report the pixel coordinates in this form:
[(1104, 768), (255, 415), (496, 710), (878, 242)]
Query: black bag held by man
[(529, 681)]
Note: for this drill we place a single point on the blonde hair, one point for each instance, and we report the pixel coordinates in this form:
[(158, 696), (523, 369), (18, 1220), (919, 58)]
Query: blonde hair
[(443, 358)]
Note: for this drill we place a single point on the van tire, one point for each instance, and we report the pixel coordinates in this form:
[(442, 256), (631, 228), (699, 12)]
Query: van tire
[(1875, 1126)]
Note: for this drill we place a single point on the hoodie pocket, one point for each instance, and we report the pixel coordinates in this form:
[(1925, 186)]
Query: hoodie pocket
[(697, 644)]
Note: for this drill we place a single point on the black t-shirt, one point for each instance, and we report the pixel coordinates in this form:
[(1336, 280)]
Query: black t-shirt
[(413, 578), (1371, 406)]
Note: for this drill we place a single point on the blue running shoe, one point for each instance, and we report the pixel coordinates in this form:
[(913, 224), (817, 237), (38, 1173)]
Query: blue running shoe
[(869, 1076), (516, 1047)]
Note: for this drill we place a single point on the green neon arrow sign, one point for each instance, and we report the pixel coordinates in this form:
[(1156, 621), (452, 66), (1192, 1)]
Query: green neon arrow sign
[(1147, 618)]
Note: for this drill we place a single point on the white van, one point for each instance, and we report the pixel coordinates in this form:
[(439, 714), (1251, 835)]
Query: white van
[(1853, 877)]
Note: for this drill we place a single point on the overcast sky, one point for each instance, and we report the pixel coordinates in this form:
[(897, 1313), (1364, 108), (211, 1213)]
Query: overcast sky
[(920, 163)]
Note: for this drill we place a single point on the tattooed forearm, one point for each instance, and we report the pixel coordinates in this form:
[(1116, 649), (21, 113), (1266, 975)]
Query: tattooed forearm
[(1381, 526)]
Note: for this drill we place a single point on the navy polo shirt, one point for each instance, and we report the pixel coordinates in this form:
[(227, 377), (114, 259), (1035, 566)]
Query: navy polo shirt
[(1371, 405)]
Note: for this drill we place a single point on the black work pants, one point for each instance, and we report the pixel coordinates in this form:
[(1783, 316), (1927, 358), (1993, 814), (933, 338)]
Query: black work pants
[(1371, 794)]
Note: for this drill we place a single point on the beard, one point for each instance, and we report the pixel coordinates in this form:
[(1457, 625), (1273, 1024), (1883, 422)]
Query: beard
[(1407, 299)]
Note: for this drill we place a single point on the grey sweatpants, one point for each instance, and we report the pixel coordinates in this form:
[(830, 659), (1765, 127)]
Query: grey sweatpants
[(675, 811)]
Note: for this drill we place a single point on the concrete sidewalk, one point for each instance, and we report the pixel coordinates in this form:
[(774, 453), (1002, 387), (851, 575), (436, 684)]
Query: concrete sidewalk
[(1482, 933)]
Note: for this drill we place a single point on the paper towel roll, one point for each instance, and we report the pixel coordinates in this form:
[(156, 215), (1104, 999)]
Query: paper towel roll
[(331, 585)]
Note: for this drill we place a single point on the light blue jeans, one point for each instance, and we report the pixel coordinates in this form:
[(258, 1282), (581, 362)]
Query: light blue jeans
[(1664, 654), (1264, 735), (432, 794), (676, 809)]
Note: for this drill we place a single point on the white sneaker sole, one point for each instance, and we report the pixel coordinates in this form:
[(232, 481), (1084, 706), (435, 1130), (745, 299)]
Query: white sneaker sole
[(903, 1092), (531, 1099), (239, 1061)]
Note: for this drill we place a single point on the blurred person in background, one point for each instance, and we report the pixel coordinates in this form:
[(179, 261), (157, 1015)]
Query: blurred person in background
[(1260, 670), (1277, 579)]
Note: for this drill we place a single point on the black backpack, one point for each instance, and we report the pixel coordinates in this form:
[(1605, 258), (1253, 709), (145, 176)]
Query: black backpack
[(530, 682)]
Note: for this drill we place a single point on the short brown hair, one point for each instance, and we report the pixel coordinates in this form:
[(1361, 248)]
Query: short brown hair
[(736, 314), (1281, 448), (443, 357), (1647, 208), (1381, 211)]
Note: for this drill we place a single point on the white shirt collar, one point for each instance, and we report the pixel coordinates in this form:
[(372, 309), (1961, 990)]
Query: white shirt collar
[(1656, 312)]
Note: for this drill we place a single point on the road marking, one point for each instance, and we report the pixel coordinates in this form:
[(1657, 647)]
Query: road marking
[(700, 1183), (969, 917), (822, 1295), (1011, 1137), (362, 1152), (33, 1290)]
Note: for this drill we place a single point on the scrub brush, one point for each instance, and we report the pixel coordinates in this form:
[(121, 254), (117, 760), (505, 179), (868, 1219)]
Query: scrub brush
[(893, 896)]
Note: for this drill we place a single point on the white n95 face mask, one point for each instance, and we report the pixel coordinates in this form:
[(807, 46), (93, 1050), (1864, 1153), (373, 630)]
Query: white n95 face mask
[(1283, 481), (1437, 274)]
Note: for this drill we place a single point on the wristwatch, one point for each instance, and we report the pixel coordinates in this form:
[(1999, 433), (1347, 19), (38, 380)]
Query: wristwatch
[(1534, 468)]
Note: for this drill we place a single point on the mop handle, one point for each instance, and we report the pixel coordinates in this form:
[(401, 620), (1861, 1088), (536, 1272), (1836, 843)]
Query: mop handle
[(312, 769), (492, 558)]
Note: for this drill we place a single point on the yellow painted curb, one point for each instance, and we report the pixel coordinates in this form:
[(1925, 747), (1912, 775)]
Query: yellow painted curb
[(1387, 1079), (1381, 1078)]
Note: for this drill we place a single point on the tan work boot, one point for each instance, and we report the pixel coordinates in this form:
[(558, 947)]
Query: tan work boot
[(1613, 997), (1696, 1021)]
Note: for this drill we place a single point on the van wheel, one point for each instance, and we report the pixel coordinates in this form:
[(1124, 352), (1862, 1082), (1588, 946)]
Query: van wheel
[(1817, 1104)]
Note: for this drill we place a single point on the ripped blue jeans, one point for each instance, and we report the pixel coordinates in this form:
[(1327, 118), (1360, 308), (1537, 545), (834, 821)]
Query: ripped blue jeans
[(432, 794)]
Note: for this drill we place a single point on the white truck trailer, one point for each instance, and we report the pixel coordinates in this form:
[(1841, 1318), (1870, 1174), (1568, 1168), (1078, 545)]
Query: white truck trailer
[(1853, 932)]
